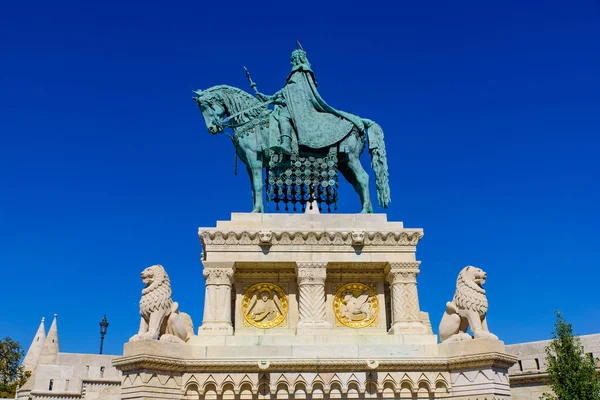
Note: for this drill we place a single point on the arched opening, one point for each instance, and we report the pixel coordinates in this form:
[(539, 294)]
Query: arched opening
[(191, 392), (283, 391), (423, 392), (388, 391), (405, 390), (335, 391), (228, 393), (246, 391), (317, 391), (353, 390), (300, 391), (210, 392), (441, 388)]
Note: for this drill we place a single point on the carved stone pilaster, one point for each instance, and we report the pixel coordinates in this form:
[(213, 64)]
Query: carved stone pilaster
[(217, 301), (406, 313), (311, 295)]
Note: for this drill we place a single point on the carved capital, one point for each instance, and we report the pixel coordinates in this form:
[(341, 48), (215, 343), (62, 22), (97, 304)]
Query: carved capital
[(402, 272), (311, 272), (218, 276)]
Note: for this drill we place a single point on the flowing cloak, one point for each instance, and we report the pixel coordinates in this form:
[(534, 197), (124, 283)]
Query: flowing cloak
[(317, 124)]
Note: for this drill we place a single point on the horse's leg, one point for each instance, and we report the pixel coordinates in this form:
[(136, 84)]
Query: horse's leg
[(251, 186), (353, 171), (255, 170)]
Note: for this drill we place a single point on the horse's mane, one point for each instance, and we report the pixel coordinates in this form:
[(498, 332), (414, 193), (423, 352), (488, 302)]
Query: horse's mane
[(236, 100)]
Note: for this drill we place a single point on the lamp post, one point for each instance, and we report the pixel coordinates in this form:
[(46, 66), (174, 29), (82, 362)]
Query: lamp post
[(103, 328)]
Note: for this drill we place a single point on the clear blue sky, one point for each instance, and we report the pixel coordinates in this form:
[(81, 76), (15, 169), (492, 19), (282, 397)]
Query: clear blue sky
[(491, 115)]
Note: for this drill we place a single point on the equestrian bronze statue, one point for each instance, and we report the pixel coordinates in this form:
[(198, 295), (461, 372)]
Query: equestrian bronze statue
[(301, 141)]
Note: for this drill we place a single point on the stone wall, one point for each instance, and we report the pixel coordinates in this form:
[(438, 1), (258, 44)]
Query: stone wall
[(528, 377), (75, 376)]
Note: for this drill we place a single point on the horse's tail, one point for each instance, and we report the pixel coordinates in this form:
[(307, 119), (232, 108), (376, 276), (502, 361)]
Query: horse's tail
[(379, 162)]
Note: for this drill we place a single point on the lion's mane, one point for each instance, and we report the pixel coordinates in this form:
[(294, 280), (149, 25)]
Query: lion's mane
[(157, 295), (469, 295)]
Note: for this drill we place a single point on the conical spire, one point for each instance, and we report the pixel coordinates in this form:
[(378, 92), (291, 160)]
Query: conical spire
[(37, 344), (51, 347)]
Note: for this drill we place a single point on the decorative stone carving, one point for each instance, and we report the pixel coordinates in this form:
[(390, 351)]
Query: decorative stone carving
[(331, 238), (264, 306), (265, 238), (217, 300), (218, 276), (468, 308), (358, 238), (355, 305), (406, 313), (311, 288), (161, 317)]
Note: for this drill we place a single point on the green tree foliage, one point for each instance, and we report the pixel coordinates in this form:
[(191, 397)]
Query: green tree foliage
[(11, 372), (572, 373)]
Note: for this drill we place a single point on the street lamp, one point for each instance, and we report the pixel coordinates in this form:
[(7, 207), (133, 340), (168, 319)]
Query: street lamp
[(103, 328)]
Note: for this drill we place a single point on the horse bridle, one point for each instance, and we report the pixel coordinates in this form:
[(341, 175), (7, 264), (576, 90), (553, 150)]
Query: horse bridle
[(225, 122)]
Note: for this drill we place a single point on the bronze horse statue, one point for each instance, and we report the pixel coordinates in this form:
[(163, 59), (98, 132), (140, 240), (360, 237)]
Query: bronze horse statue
[(225, 106)]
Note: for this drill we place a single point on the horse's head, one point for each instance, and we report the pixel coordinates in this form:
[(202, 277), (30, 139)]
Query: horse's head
[(212, 109)]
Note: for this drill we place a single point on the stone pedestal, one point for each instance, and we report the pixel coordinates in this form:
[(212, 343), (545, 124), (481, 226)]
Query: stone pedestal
[(313, 306)]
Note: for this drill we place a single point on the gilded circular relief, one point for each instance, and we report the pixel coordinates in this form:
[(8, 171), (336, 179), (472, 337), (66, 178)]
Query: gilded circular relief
[(264, 305), (356, 305)]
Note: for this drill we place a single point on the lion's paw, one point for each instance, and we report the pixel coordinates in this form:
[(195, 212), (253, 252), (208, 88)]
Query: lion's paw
[(171, 339), (485, 335), (458, 337)]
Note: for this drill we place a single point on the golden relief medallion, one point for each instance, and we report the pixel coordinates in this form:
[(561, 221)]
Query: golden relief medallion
[(356, 305), (264, 305)]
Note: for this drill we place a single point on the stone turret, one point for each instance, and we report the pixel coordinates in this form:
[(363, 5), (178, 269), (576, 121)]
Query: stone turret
[(51, 347), (35, 350)]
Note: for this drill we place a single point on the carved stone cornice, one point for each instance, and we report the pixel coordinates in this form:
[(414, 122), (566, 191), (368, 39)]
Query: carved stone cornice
[(311, 272), (212, 237), (145, 361), (265, 273), (218, 276), (402, 272)]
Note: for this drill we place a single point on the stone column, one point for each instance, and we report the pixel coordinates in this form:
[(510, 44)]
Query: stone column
[(311, 294), (406, 314), (217, 299)]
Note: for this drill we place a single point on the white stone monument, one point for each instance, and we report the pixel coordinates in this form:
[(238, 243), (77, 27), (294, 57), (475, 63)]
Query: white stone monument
[(314, 306)]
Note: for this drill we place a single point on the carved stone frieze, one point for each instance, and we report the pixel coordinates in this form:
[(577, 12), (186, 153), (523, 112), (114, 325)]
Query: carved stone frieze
[(327, 238), (265, 273), (145, 361)]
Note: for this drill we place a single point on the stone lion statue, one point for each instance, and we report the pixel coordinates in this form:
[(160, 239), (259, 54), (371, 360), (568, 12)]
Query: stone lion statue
[(161, 318), (468, 308)]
